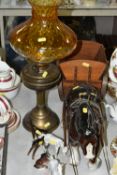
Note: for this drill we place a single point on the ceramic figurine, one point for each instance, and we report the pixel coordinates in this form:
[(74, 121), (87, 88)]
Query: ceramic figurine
[(113, 67), (35, 145), (113, 170), (52, 160), (47, 140), (55, 167), (112, 73), (48, 161), (85, 122), (112, 110), (113, 149), (51, 139), (42, 162)]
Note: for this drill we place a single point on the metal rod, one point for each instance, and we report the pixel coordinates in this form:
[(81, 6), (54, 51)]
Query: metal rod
[(73, 160), (2, 32), (105, 152), (5, 149)]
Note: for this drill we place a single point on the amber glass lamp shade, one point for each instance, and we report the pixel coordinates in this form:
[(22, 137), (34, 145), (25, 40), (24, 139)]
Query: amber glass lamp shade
[(43, 38)]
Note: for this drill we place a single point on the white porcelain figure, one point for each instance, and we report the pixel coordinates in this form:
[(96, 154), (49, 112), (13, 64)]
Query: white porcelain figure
[(89, 151), (113, 170), (55, 167), (51, 139), (112, 110), (7, 76), (90, 155), (112, 74), (113, 67)]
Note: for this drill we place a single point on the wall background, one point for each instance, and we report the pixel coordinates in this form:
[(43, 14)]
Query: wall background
[(106, 25)]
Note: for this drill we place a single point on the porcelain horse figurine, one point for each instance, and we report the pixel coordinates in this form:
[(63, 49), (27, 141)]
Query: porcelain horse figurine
[(47, 139), (83, 122), (48, 161)]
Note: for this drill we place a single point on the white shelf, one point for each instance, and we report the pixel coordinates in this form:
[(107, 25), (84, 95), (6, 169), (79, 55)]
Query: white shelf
[(12, 8)]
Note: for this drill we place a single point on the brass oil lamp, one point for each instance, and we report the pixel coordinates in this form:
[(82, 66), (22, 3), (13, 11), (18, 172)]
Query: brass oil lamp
[(42, 40)]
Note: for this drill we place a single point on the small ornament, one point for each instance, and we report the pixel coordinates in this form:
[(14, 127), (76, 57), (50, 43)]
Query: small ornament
[(113, 170), (84, 110), (113, 67), (113, 148), (112, 73), (112, 110)]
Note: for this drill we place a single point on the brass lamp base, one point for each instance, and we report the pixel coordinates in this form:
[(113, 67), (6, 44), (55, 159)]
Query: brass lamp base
[(41, 118), (41, 78)]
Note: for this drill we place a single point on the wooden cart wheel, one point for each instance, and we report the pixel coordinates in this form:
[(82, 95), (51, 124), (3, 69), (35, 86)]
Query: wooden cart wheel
[(104, 84)]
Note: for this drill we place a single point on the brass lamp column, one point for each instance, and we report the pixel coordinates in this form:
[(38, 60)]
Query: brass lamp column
[(42, 39), (41, 77)]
